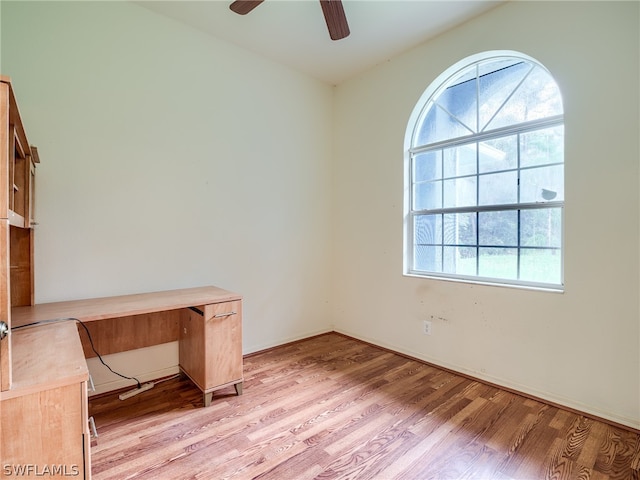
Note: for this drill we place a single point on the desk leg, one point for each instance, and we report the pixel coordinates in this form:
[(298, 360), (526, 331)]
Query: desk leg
[(238, 387), (208, 396)]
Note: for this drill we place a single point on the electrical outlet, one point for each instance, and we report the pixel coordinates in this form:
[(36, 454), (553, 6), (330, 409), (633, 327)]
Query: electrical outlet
[(426, 327)]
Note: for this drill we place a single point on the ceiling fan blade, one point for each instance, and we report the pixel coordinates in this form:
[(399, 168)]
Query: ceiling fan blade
[(336, 19), (242, 7)]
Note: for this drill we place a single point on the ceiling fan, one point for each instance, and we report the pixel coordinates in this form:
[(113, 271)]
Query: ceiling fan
[(332, 10)]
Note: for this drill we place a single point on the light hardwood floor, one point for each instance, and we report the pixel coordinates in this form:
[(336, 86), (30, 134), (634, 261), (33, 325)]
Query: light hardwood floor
[(332, 407)]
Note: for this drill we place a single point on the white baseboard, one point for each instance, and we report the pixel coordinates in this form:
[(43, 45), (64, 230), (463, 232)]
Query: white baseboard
[(150, 363), (508, 385), (145, 364), (123, 383), (266, 346)]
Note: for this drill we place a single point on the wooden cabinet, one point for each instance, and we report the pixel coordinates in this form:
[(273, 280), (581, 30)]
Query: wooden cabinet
[(18, 160), (44, 427), (210, 347)]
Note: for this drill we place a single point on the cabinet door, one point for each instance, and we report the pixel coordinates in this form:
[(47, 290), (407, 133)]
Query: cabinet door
[(7, 147), (223, 343), (5, 309), (5, 299), (32, 188), (86, 432), (43, 433)]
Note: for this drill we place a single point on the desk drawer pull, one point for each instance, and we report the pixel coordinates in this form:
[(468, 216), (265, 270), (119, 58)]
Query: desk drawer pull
[(91, 387), (219, 315), (94, 430)]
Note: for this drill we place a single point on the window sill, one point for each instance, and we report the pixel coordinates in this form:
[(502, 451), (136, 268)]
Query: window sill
[(538, 288)]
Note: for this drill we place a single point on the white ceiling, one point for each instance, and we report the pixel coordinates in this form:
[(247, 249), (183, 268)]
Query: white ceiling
[(294, 32)]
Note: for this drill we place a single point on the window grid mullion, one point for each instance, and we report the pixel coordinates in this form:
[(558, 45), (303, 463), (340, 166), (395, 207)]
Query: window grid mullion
[(411, 206), (477, 175), (442, 214), (442, 179), (442, 242), (477, 98), (478, 190), (518, 165), (523, 127), (519, 250), (491, 208), (477, 244), (492, 172)]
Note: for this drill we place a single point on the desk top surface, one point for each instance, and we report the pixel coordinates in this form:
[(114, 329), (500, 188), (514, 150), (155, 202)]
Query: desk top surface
[(46, 357), (92, 309)]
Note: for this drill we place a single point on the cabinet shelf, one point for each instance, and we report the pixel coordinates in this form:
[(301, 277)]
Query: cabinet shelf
[(16, 220)]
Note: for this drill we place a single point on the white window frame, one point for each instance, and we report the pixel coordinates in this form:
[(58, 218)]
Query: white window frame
[(413, 125)]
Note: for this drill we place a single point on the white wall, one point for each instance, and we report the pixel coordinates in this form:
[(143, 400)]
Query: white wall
[(170, 160), (579, 348)]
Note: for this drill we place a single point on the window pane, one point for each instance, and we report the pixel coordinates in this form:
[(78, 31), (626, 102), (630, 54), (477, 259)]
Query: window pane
[(460, 228), (496, 86), (427, 229), (460, 161), (427, 258), (542, 147), (542, 184), (439, 125), (499, 154), (427, 166), (536, 98), (459, 192), (459, 260), (498, 263), (460, 101), (427, 195), (541, 265), (541, 227), (498, 188), (498, 228)]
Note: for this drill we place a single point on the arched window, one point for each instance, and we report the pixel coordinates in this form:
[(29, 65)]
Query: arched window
[(484, 175)]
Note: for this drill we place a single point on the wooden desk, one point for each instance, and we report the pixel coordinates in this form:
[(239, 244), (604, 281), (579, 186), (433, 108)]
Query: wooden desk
[(44, 419), (90, 310), (206, 321)]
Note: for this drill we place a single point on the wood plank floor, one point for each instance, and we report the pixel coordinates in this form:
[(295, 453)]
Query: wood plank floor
[(331, 407)]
